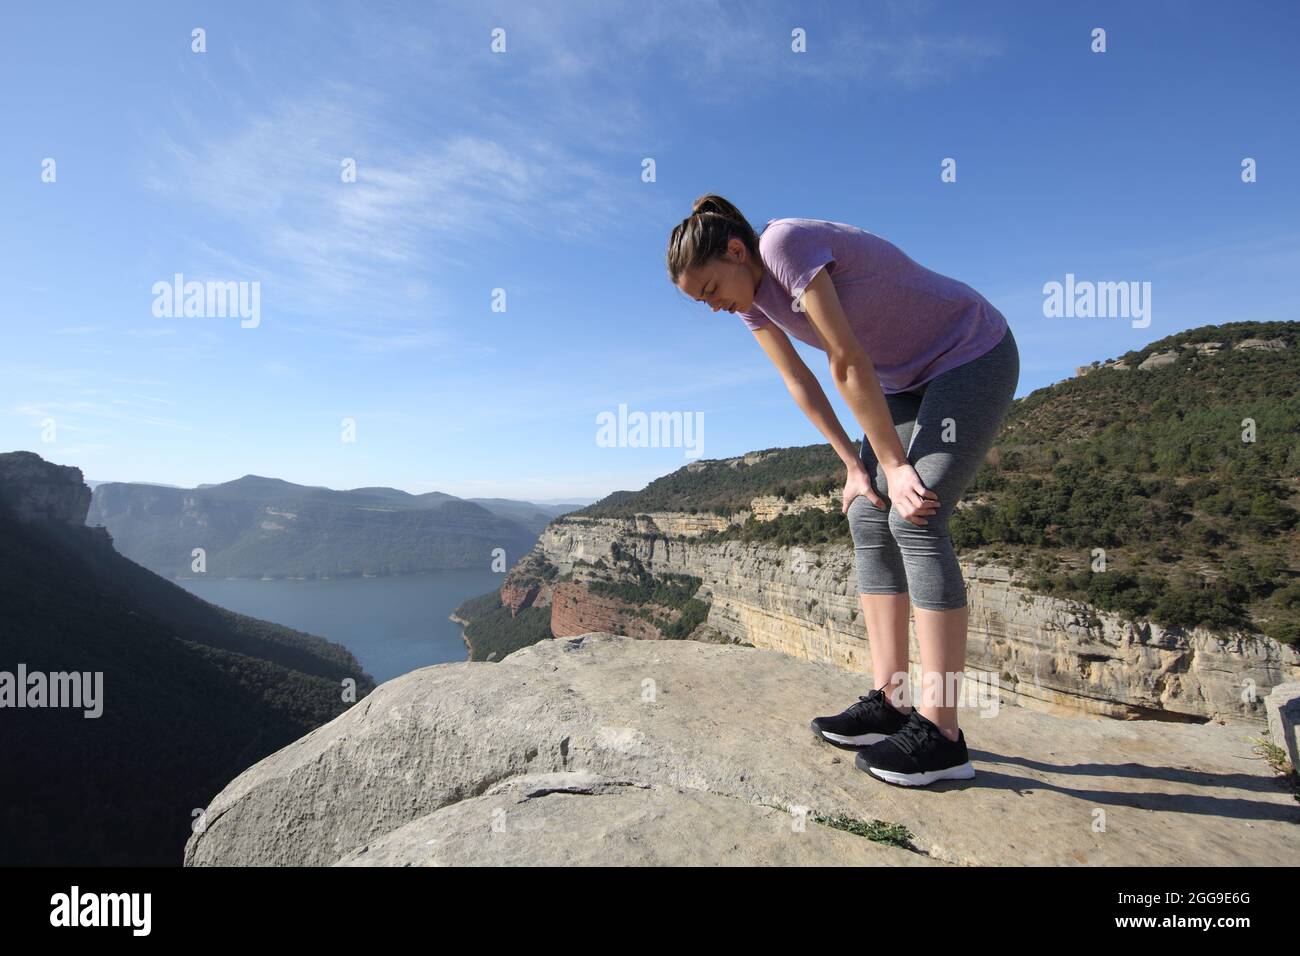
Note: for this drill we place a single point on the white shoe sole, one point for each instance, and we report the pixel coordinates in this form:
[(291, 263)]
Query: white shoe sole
[(861, 740), (961, 772)]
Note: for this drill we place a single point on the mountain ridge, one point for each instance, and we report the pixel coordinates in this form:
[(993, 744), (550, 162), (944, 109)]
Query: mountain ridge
[(259, 527)]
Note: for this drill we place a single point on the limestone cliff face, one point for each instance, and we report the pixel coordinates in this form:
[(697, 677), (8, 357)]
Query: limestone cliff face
[(576, 610), (1169, 357), (37, 490), (1045, 651)]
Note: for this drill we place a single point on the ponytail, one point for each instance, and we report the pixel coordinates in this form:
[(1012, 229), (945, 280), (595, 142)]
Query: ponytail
[(703, 235)]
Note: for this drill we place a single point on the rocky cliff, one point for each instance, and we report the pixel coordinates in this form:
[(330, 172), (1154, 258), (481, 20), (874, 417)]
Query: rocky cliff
[(1170, 356), (802, 601), (36, 490), (576, 610), (602, 749)]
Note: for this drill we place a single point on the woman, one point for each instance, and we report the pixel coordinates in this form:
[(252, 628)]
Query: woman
[(929, 368)]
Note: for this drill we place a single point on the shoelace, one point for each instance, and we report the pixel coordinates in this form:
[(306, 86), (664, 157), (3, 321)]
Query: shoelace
[(914, 734), (863, 707)]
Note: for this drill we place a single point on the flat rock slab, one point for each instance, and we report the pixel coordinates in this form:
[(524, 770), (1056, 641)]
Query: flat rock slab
[(669, 751), (575, 818)]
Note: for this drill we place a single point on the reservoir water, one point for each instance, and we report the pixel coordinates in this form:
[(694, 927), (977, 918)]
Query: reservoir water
[(393, 625)]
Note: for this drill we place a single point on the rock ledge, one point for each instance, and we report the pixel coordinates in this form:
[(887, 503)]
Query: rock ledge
[(602, 749)]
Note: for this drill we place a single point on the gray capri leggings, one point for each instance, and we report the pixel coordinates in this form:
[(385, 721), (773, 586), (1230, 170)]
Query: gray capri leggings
[(946, 426)]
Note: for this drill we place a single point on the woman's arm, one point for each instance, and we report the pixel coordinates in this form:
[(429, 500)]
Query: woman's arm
[(808, 395), (807, 392), (852, 370), (855, 377)]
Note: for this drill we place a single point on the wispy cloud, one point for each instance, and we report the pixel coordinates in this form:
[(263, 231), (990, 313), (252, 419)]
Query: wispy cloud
[(66, 414), (606, 50), (320, 244), (535, 155)]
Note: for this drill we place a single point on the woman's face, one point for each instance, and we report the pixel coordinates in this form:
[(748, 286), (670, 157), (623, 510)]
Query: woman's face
[(727, 282)]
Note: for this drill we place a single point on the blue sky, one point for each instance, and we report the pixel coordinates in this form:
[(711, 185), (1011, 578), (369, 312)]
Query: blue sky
[(522, 171)]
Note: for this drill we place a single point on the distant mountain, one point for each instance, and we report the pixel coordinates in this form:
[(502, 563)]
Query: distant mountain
[(191, 693), (93, 483), (258, 527), (532, 516)]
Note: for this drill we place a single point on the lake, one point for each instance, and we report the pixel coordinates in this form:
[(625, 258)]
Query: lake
[(393, 625)]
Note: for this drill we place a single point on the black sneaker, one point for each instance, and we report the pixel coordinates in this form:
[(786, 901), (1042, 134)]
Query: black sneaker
[(917, 755), (870, 720)]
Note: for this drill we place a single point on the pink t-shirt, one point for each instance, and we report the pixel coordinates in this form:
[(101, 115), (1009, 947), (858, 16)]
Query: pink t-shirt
[(913, 323)]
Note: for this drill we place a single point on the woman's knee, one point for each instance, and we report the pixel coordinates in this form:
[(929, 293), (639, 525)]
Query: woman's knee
[(941, 602)]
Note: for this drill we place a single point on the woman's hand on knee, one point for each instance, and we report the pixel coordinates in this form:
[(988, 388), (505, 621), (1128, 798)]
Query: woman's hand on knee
[(911, 498), (859, 483)]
